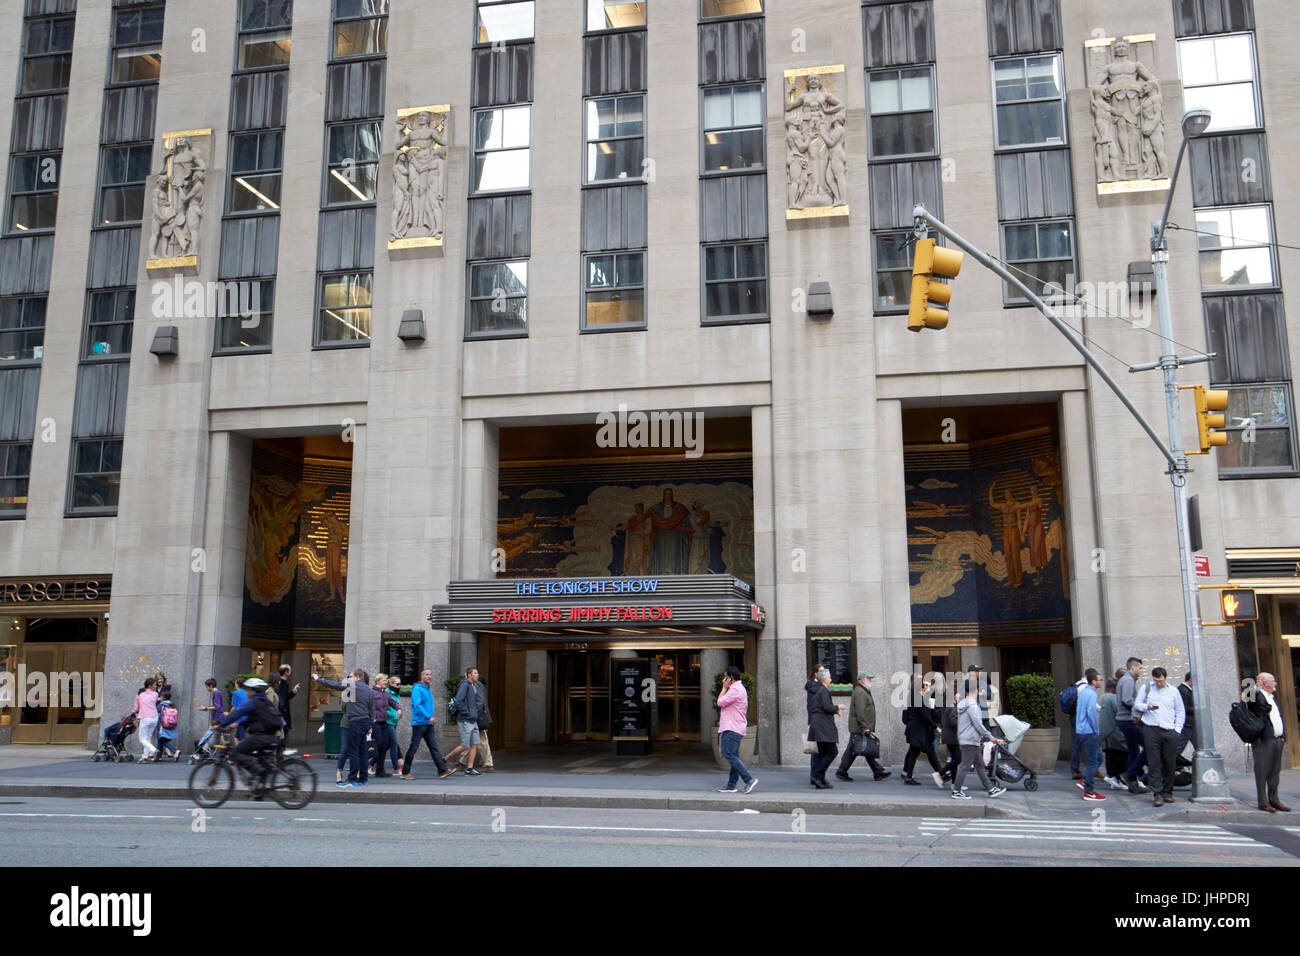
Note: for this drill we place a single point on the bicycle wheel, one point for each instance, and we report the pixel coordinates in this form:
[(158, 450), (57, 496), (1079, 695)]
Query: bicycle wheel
[(211, 784), (293, 785)]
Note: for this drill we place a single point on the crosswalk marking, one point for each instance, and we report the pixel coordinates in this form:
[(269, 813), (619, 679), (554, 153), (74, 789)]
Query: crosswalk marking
[(1187, 834)]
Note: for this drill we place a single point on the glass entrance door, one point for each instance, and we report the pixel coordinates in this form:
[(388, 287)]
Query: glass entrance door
[(42, 721), (581, 695), (679, 695)]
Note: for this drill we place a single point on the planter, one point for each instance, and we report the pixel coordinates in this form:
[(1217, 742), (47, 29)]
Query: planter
[(1040, 749), (748, 744)]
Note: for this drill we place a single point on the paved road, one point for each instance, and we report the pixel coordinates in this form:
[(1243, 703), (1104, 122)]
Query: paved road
[(92, 832)]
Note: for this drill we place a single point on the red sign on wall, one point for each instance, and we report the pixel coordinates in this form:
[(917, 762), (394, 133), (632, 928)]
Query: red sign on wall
[(1202, 566)]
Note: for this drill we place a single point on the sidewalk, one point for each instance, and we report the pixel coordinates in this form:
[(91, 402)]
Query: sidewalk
[(649, 783)]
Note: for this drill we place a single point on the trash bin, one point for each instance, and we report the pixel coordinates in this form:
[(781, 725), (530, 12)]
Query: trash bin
[(333, 734)]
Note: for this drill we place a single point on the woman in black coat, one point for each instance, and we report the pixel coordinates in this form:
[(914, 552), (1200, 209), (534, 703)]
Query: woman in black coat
[(921, 723), (821, 727), (948, 734)]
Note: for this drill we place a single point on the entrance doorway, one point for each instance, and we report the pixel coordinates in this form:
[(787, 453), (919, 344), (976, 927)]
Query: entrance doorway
[(678, 695), (42, 721), (581, 695)]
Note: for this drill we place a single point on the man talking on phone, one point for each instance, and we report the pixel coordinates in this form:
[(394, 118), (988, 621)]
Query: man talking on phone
[(1161, 708), (733, 704)]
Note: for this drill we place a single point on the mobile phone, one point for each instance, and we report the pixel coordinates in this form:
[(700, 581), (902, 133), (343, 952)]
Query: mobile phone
[(1155, 706)]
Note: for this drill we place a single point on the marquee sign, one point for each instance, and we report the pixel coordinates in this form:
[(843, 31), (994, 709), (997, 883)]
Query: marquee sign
[(54, 592)]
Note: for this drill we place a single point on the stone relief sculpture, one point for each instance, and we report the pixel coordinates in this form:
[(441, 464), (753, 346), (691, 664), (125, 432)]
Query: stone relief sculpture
[(177, 203), (419, 175), (816, 160), (1127, 114)]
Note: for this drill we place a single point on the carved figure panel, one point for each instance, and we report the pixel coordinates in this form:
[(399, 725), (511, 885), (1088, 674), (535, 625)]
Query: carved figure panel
[(816, 160), (420, 176), (177, 199), (1128, 123)]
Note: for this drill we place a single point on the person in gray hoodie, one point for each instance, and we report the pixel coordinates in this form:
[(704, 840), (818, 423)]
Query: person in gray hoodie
[(357, 702), (971, 734)]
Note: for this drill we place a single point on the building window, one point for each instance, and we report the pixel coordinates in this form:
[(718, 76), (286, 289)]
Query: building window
[(1261, 437), (109, 320), (615, 138), (1218, 75), (264, 40), (345, 300), (255, 163), (15, 470), (1041, 254), (34, 191), (733, 128), (353, 163), (501, 148), (1235, 247), (122, 178), (360, 28), (615, 290), (735, 282), (97, 473), (47, 54), (500, 21), (22, 329), (614, 15), (713, 9), (498, 299), (1030, 107), (137, 44), (893, 271), (902, 113), (244, 317)]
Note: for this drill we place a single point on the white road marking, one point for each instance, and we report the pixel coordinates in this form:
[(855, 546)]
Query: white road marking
[(554, 826), (101, 816)]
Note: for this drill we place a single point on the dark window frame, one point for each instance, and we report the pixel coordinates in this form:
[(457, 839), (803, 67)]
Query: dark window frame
[(717, 17), (14, 193), (588, 289), (363, 341), (761, 128), (141, 46), (876, 272), (329, 167), (475, 152), (72, 509), (470, 298), (9, 472), (27, 57), (266, 316), (1269, 244), (872, 75), (1010, 298), (232, 174), (24, 329), (1237, 473), (242, 34), (706, 282), (588, 143), (477, 44), (336, 21), (1060, 100), (102, 186), (587, 30), (89, 325), (1257, 95)]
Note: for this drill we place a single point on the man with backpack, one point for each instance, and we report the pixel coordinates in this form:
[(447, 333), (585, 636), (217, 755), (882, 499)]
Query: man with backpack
[(1069, 706), (1270, 745), (262, 725), (465, 708), (1087, 730)]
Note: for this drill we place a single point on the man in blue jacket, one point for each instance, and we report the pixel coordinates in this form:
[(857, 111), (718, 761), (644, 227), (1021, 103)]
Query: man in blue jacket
[(423, 727), (1087, 729)]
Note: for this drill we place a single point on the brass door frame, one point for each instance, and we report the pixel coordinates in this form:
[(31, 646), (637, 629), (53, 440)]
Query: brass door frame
[(564, 693), (63, 658), (678, 698)]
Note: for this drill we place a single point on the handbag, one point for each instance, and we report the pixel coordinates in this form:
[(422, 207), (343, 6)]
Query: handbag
[(870, 746), (809, 745)]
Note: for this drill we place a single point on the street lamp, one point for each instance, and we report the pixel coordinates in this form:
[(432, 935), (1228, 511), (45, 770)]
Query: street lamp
[(1209, 779)]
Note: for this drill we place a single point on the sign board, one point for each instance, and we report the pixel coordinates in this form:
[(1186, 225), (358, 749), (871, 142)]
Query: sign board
[(1202, 565), (403, 655), (633, 695), (836, 649)]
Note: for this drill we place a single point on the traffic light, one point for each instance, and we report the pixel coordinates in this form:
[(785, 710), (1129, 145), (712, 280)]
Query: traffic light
[(1238, 604), (1208, 401), (931, 262)]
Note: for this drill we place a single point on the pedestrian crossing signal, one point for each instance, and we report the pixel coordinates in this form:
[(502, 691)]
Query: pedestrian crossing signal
[(1237, 605)]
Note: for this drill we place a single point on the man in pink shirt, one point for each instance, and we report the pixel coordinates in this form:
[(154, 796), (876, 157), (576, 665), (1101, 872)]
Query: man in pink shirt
[(733, 703)]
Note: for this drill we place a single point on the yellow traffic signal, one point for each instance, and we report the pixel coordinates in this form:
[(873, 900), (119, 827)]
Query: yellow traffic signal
[(1238, 604), (1208, 401), (931, 261)]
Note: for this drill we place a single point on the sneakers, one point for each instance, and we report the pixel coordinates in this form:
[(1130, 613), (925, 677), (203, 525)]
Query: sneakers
[(1115, 784), (752, 784), (960, 795), (997, 791), (728, 790), (338, 776), (911, 781), (471, 772), (345, 783), (408, 776), (446, 773), (1080, 785), (1092, 795), (1137, 786), (1169, 798), (938, 779)]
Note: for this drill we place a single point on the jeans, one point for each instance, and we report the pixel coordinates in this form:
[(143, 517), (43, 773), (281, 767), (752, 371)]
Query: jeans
[(729, 744), (1136, 754), (1116, 761), (395, 750), (972, 754), (1075, 746), (1161, 758), (385, 744), (825, 756), (1091, 746), (358, 761), (423, 733), (954, 759)]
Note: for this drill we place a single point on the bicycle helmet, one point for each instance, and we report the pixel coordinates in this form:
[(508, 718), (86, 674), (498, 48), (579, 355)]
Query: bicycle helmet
[(255, 684)]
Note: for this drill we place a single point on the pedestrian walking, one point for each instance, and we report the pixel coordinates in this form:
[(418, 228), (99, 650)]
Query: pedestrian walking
[(484, 722), (1112, 741), (1160, 707), (237, 701), (1271, 745), (971, 734), (358, 701), (1087, 730), (862, 731), (948, 735), (216, 708), (1069, 707), (379, 728), (394, 716), (1125, 694), (466, 707), (733, 713), (821, 726), (285, 693), (146, 709), (424, 728), (920, 725)]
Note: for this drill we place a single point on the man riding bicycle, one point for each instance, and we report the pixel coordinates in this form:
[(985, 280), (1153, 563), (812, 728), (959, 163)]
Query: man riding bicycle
[(264, 723)]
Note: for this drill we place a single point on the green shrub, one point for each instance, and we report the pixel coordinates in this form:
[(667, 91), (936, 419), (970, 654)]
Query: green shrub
[(1030, 697)]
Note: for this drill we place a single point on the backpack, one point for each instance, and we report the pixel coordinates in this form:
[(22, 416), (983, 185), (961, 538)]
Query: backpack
[(1070, 700), (1248, 727), (170, 718), (451, 707)]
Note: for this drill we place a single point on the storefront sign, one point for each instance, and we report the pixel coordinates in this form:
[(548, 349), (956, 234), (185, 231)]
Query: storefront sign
[(589, 586), (584, 615), (53, 591), (632, 692), (403, 655), (836, 649)]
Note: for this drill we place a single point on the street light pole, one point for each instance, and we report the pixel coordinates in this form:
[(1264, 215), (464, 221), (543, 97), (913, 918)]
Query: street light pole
[(1209, 778)]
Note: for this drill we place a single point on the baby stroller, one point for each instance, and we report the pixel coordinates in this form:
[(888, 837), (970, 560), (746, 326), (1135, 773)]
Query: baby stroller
[(113, 745), (1005, 765)]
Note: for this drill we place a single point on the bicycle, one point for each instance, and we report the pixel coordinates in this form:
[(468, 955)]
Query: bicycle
[(290, 782)]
